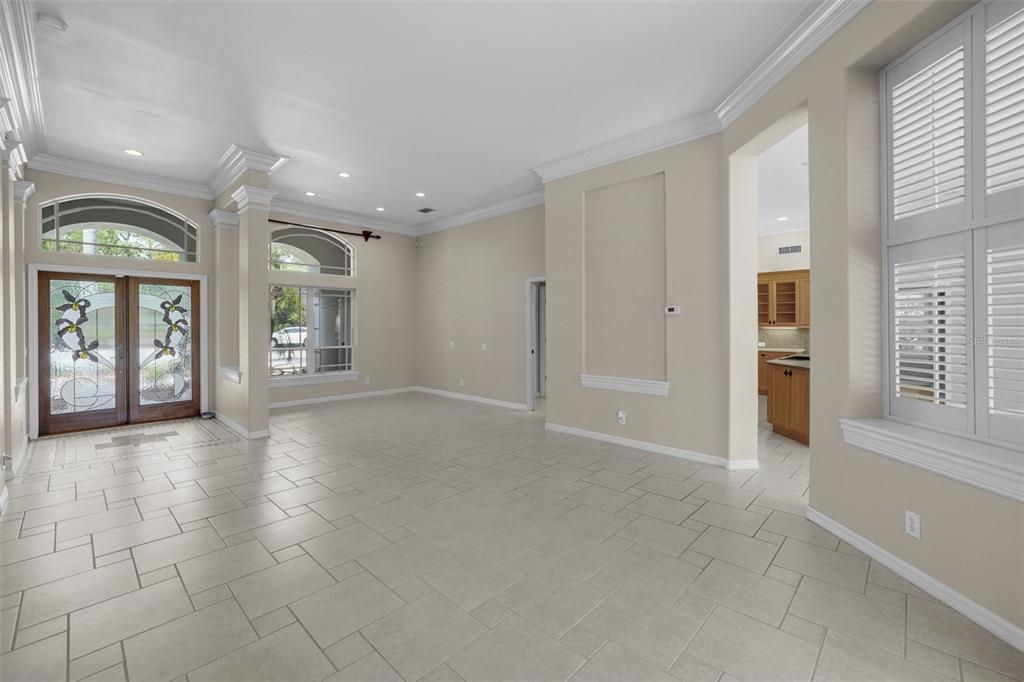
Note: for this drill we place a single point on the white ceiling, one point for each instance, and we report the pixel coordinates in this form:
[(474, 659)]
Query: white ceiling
[(456, 99), (783, 185)]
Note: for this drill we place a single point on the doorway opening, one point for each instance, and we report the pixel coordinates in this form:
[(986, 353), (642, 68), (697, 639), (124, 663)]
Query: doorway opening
[(770, 292), (536, 344), (115, 349)]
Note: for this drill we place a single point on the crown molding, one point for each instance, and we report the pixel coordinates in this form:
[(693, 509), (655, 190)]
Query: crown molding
[(236, 161), (225, 220), (494, 210), (94, 171), (248, 196), (651, 139), (23, 189), (21, 110), (294, 209), (810, 32)]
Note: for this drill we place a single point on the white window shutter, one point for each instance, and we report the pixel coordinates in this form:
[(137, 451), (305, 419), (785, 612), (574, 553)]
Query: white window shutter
[(929, 285), (926, 103), (999, 327), (1003, 41)]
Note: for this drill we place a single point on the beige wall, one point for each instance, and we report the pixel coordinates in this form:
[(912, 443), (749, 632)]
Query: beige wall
[(471, 289), (386, 334), (769, 260), (974, 541), (693, 415)]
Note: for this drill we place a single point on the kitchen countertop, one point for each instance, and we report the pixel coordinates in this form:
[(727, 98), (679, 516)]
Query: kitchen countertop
[(802, 364), (780, 350)]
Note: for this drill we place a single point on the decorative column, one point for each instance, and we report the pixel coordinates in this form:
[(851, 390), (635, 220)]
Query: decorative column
[(7, 281), (225, 298), (254, 305)]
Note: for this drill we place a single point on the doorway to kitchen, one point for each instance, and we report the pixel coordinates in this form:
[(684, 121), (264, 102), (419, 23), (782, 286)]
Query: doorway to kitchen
[(115, 349), (536, 344)]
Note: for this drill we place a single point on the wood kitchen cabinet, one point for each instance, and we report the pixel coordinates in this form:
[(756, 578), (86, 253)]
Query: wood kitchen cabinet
[(789, 402), (784, 298), (762, 369)]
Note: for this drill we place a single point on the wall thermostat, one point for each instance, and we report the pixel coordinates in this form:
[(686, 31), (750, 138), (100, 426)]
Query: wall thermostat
[(672, 310)]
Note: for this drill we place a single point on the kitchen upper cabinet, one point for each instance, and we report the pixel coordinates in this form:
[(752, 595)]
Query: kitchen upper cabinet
[(789, 402), (784, 298)]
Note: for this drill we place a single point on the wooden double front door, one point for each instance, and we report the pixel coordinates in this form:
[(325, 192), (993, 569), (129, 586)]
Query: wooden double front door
[(116, 350)]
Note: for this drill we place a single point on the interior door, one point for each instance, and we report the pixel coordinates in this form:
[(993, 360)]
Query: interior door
[(81, 352), (163, 359), (116, 350)]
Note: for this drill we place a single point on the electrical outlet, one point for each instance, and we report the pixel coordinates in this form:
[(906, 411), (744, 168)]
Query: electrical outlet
[(451, 345), (462, 382), (912, 525), (621, 416), (366, 381), (483, 347)]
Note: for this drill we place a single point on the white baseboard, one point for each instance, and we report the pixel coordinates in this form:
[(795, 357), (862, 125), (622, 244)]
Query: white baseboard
[(471, 398), (639, 444), (993, 622), (344, 396), (742, 464), (237, 428)]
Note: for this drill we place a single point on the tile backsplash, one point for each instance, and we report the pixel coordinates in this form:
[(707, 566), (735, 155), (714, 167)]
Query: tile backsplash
[(785, 338)]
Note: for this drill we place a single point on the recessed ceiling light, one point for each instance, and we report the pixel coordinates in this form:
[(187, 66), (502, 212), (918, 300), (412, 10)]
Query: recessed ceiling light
[(783, 219), (133, 152), (343, 174), (310, 194), (420, 194), (380, 208)]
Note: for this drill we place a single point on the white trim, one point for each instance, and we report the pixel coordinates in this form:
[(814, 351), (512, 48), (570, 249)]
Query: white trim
[(250, 195), (282, 208), (344, 396), (18, 457), (308, 379), (5, 496), (646, 386), (236, 161), (989, 467), (811, 32), (224, 220), (20, 384), (21, 118), (638, 444), (993, 622), (230, 374), (23, 189), (237, 428), (742, 464), (498, 208), (33, 327), (651, 139), (470, 398), (94, 171)]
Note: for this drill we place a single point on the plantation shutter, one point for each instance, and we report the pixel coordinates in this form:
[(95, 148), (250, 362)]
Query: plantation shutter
[(929, 352), (928, 142), (999, 254), (1004, 108)]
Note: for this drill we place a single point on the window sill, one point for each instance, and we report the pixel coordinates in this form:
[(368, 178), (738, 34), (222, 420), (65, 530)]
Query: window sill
[(996, 469), (646, 386), (308, 379)]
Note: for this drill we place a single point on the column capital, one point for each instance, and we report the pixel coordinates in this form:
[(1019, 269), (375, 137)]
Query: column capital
[(251, 196), (221, 219), (23, 189)]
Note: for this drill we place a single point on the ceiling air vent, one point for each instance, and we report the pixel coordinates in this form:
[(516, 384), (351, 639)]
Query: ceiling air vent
[(784, 250), (425, 210)]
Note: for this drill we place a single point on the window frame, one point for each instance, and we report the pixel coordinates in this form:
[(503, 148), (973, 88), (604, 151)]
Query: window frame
[(142, 231), (980, 215), (309, 293), (327, 236)]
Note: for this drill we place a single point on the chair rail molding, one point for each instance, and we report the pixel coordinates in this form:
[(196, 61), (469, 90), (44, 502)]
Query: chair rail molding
[(645, 386)]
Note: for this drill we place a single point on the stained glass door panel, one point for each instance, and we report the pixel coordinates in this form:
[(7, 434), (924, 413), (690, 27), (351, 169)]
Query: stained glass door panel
[(164, 349), (81, 352)]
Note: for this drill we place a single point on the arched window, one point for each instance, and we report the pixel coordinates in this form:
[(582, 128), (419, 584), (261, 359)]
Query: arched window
[(118, 226), (300, 249)]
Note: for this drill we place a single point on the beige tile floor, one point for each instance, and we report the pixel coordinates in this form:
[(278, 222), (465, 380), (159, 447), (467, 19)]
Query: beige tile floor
[(413, 537)]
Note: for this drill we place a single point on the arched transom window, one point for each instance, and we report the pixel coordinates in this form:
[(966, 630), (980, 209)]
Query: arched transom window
[(300, 249), (117, 226)]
